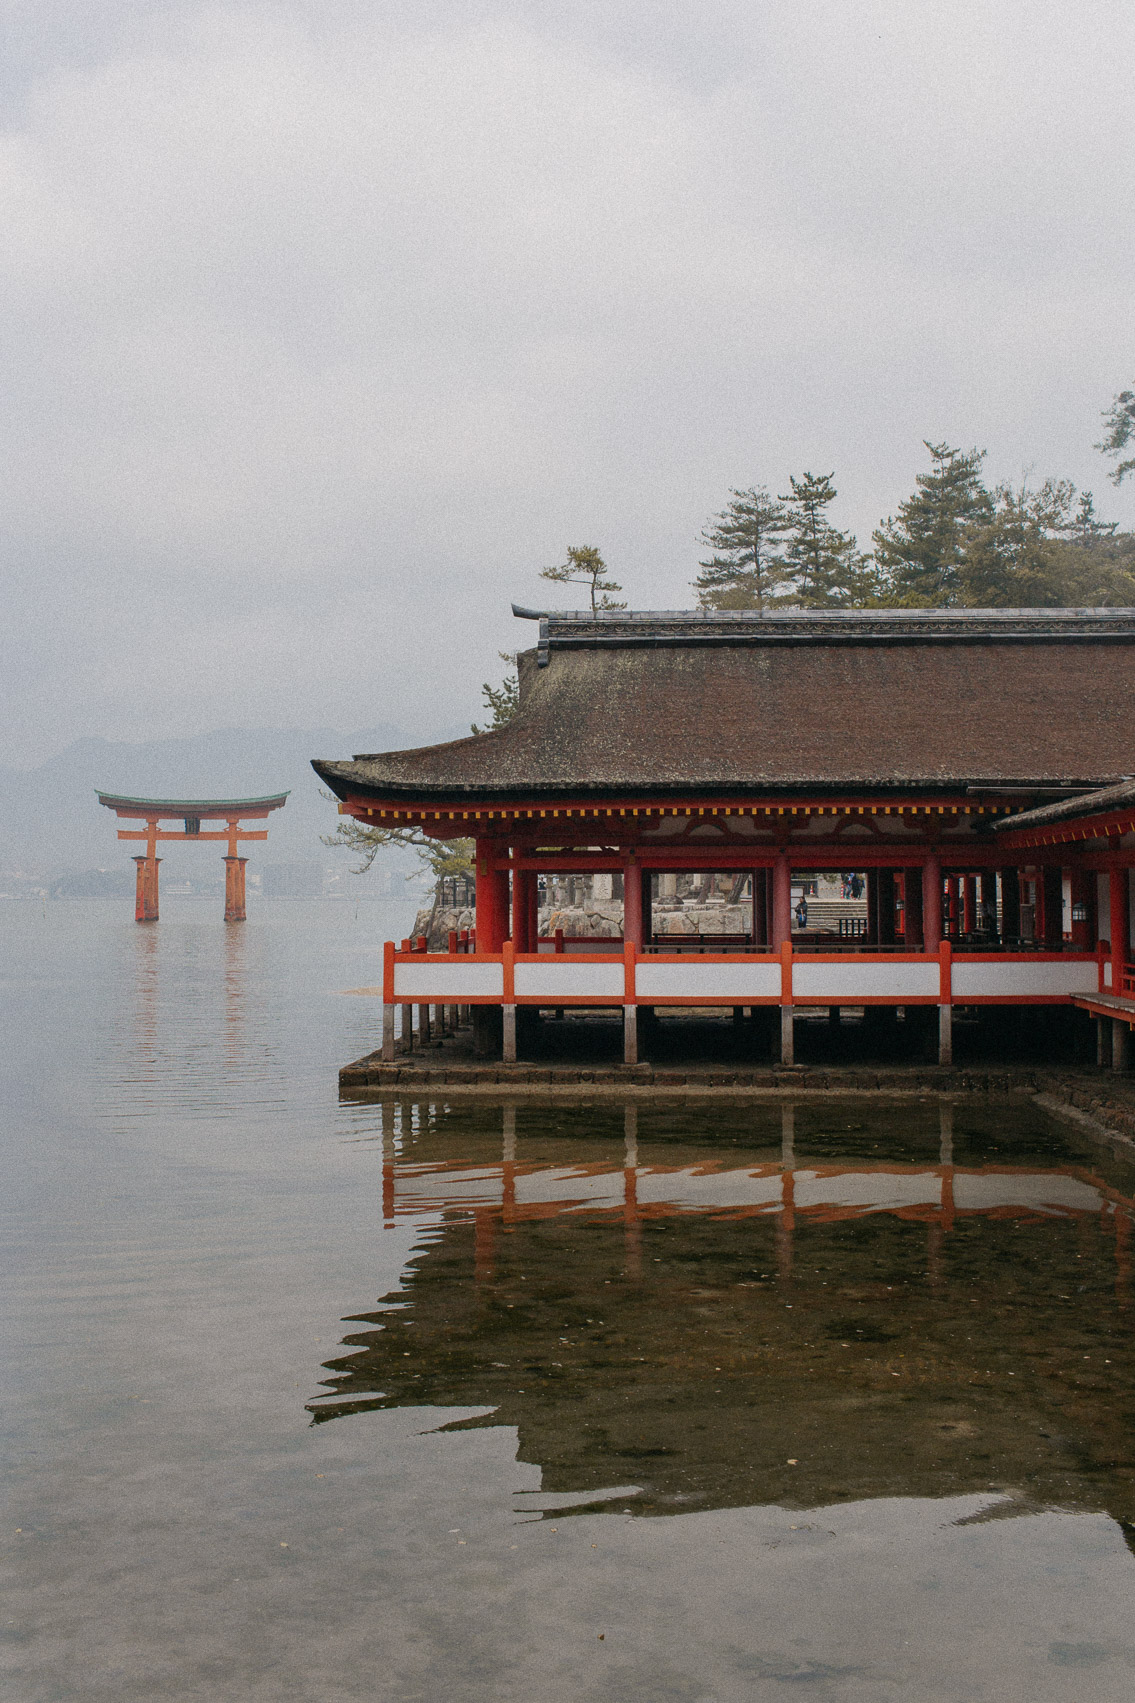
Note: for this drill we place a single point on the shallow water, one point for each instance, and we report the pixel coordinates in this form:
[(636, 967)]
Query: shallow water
[(317, 1401)]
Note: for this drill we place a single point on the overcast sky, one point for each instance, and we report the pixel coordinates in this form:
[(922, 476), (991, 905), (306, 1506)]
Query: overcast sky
[(327, 324)]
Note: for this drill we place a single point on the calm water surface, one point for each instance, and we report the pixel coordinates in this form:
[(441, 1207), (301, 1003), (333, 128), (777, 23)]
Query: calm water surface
[(334, 1402)]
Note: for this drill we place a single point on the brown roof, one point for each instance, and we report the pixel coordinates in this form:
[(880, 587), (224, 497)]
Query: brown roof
[(740, 704)]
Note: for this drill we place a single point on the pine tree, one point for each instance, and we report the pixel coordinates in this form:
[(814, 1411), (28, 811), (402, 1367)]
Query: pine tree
[(585, 566), (827, 568), (921, 553), (502, 700), (1120, 421), (1015, 557), (1085, 528), (745, 572)]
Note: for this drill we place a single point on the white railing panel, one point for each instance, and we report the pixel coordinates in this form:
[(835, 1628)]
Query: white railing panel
[(850, 979), (561, 978), (429, 979), (1008, 977), (734, 981)]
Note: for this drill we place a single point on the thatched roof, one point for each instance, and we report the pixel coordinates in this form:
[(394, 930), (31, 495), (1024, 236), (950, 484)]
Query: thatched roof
[(645, 705)]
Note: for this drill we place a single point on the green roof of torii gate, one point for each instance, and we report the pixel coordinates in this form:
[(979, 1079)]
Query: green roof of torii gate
[(192, 806)]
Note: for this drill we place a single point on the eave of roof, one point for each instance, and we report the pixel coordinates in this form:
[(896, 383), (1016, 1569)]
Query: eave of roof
[(1101, 801)]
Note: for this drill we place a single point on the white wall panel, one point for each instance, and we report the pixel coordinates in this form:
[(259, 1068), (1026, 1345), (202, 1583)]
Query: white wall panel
[(733, 982), (426, 980), (559, 978), (850, 979), (987, 981)]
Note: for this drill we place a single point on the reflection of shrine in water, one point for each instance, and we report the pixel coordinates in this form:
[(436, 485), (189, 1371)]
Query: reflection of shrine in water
[(810, 1304)]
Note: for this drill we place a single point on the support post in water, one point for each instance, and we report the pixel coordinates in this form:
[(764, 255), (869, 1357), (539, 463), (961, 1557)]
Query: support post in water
[(234, 889), (630, 1034)]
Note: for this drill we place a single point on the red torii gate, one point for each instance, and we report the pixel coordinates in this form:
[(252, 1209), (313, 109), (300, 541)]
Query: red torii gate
[(192, 812)]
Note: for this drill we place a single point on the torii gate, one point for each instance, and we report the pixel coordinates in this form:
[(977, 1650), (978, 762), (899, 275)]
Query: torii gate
[(191, 811)]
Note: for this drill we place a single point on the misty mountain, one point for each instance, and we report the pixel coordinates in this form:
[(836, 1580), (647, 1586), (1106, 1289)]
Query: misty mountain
[(51, 820)]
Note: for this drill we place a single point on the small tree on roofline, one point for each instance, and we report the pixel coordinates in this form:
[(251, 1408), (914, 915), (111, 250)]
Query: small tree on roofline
[(585, 566)]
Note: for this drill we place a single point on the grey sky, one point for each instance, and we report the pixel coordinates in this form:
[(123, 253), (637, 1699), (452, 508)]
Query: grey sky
[(327, 324)]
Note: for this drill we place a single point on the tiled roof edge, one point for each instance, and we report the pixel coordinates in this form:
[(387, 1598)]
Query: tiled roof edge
[(570, 629)]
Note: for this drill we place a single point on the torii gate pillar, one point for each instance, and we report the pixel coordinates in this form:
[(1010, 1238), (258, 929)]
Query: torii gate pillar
[(146, 889), (234, 889)]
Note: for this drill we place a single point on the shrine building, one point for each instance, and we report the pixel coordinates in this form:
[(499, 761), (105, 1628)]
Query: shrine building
[(976, 765)]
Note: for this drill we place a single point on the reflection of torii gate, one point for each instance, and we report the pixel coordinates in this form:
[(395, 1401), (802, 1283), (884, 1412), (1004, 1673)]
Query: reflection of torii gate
[(191, 811)]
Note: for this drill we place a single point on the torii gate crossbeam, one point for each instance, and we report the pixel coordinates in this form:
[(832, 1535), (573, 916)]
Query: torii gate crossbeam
[(191, 812)]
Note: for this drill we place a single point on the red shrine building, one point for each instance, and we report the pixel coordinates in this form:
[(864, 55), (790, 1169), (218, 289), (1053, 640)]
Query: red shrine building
[(975, 765)]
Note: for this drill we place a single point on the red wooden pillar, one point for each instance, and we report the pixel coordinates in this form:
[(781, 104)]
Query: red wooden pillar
[(1052, 884), (885, 907), (632, 904), (872, 907), (912, 908), (931, 903), (781, 900), (492, 899), (534, 913), (1120, 926), (234, 889), (524, 906)]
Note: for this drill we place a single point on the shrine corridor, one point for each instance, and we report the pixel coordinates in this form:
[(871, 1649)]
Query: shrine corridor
[(425, 1398)]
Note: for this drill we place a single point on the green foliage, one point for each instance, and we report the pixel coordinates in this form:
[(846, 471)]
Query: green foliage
[(501, 701), (828, 570), (1038, 550), (953, 543), (1120, 421), (585, 566), (1013, 557), (1086, 528), (745, 571), (921, 553), (956, 543)]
